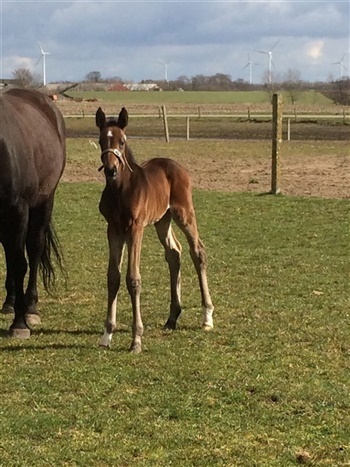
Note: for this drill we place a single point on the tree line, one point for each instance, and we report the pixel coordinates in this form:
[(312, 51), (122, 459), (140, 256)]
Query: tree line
[(291, 83)]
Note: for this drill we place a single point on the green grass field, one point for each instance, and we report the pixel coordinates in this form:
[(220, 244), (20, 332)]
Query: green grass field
[(268, 387), (196, 97)]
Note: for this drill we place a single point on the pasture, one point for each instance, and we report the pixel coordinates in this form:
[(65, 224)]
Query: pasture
[(269, 386), (196, 97)]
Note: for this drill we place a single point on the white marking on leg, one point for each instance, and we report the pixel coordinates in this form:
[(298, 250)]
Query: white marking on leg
[(208, 317), (106, 339)]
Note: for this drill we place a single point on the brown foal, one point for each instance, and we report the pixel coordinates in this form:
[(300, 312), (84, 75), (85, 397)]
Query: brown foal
[(135, 196)]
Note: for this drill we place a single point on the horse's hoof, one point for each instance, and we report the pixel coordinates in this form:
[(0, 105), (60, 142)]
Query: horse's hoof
[(207, 327), (103, 345), (170, 326), (33, 318), (135, 348), (7, 309), (19, 333), (106, 340)]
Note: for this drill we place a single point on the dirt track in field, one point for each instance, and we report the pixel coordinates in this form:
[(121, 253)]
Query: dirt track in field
[(322, 177)]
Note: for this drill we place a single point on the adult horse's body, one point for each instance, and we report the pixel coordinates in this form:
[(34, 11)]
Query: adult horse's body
[(135, 196), (32, 160)]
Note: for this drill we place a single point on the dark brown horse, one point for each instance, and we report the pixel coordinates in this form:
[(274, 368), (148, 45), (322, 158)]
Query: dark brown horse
[(32, 159), (135, 196)]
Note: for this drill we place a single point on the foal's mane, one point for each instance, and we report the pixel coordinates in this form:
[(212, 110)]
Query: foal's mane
[(112, 122)]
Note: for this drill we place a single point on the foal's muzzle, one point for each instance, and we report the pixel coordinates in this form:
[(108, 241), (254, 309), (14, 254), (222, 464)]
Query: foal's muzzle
[(111, 171)]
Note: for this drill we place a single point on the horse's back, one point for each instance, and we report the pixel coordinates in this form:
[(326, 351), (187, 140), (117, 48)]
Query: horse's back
[(32, 145), (175, 175), (172, 170)]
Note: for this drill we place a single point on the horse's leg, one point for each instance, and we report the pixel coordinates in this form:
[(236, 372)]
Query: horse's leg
[(173, 257), (9, 303), (39, 218), (133, 283), (13, 238), (116, 248), (185, 218)]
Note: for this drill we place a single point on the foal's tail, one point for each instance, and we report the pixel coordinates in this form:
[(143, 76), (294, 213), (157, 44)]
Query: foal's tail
[(52, 247)]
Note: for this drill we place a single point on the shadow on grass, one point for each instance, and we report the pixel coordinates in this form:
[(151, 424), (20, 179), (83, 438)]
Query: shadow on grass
[(28, 344), (267, 193), (34, 345)]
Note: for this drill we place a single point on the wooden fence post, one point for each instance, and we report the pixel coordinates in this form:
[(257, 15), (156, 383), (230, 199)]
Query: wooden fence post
[(165, 121), (288, 129), (187, 128), (276, 142)]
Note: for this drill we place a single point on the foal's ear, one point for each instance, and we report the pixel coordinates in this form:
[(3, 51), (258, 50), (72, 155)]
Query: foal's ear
[(123, 118), (100, 118)]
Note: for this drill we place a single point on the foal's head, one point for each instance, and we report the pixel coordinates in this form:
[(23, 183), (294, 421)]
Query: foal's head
[(112, 142)]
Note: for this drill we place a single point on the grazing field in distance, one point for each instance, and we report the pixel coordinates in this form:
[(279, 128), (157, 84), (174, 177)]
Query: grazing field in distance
[(196, 97), (191, 103)]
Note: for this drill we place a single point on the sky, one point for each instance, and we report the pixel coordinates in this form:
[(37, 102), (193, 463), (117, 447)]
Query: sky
[(138, 40)]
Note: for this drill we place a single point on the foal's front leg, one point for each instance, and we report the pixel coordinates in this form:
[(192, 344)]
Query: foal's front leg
[(116, 248), (133, 282)]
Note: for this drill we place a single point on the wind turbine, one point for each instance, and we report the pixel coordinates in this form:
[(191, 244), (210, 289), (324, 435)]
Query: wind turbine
[(43, 57), (250, 65), (165, 64), (342, 66), (269, 54)]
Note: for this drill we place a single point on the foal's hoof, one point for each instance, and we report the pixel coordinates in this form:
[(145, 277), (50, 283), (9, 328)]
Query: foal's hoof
[(7, 309), (207, 327), (104, 345), (106, 340), (135, 348), (19, 333), (33, 318)]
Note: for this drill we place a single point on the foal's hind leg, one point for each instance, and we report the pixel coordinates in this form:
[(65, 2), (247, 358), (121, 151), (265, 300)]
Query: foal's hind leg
[(185, 218), (173, 258)]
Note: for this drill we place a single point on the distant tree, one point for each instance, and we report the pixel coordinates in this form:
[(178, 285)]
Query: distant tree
[(220, 82), (241, 85), (25, 78), (114, 79), (292, 84), (275, 80), (338, 91), (93, 76), (200, 83), (183, 82)]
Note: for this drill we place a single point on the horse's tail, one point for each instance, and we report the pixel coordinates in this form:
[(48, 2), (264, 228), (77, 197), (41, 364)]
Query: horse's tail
[(52, 248)]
